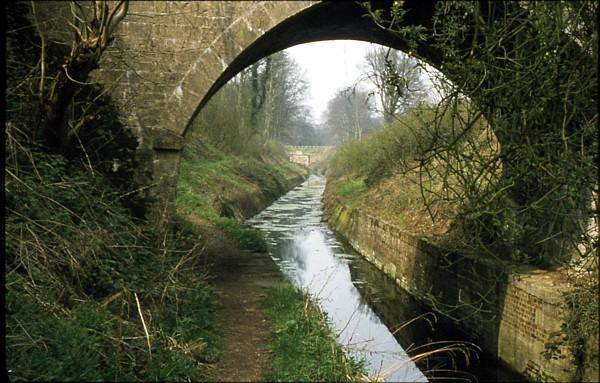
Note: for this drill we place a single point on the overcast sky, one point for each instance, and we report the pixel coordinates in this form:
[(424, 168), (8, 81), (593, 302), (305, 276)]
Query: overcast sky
[(331, 65), (328, 66)]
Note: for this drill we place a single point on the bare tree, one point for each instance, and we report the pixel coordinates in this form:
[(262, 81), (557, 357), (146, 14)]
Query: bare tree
[(348, 115), (397, 78), (93, 29), (263, 102), (285, 94)]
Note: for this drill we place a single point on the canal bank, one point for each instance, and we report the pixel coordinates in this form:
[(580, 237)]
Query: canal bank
[(214, 184), (374, 318), (511, 314)]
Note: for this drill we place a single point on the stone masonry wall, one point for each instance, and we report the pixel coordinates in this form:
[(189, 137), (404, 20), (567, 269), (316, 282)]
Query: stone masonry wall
[(165, 58), (168, 57), (510, 314)]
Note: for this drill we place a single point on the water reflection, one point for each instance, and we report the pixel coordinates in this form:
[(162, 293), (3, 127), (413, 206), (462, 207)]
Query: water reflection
[(309, 254)]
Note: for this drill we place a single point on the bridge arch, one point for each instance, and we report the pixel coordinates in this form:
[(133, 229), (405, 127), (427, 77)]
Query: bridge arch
[(240, 34), (170, 57), (318, 21)]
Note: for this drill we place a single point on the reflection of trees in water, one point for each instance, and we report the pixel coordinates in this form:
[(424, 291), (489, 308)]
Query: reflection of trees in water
[(396, 307), (393, 305), (291, 251), (365, 310)]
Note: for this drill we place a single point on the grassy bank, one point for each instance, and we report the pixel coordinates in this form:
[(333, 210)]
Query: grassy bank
[(91, 293), (381, 174), (304, 348), (225, 188)]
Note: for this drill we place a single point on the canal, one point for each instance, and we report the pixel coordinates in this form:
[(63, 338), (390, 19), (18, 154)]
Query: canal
[(373, 318)]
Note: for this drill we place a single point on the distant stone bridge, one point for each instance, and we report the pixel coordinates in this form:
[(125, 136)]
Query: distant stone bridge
[(308, 155)]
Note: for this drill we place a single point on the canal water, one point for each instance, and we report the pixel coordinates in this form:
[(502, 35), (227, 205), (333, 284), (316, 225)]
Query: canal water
[(369, 313)]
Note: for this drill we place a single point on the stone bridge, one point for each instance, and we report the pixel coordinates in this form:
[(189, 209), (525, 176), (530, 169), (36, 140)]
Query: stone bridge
[(308, 155), (169, 57)]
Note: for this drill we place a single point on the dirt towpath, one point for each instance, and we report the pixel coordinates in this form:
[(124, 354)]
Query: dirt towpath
[(241, 279)]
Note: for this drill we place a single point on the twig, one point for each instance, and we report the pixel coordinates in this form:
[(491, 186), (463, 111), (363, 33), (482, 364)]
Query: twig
[(137, 301), (76, 81)]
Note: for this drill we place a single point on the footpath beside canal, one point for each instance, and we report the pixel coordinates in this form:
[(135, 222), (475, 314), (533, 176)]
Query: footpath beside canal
[(240, 279), (269, 330)]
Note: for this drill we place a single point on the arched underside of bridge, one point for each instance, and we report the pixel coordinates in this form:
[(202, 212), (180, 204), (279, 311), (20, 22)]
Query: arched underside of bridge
[(319, 22), (169, 58)]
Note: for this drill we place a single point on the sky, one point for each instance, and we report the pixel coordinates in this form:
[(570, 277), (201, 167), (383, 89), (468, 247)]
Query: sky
[(328, 66), (331, 65)]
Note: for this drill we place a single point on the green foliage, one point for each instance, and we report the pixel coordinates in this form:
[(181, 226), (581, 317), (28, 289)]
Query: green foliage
[(581, 326), (531, 70), (350, 191), (76, 265), (49, 346), (579, 333), (88, 342), (304, 347), (351, 188), (205, 172)]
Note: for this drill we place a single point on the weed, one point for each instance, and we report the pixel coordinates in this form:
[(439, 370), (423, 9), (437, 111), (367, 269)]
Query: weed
[(75, 268), (351, 189)]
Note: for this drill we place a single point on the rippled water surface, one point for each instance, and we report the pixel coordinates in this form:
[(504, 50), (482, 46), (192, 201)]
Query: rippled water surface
[(311, 256)]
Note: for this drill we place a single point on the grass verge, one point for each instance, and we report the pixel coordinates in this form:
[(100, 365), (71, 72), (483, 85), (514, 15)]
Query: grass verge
[(304, 347), (214, 183)]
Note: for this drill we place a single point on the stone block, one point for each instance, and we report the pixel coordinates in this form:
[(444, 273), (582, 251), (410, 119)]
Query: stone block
[(163, 140)]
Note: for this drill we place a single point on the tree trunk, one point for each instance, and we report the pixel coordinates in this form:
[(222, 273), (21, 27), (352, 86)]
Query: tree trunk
[(54, 120)]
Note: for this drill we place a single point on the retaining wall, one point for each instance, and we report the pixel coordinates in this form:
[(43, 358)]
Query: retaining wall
[(510, 313)]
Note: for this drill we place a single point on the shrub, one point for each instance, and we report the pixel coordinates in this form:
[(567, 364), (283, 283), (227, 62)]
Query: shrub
[(80, 270)]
